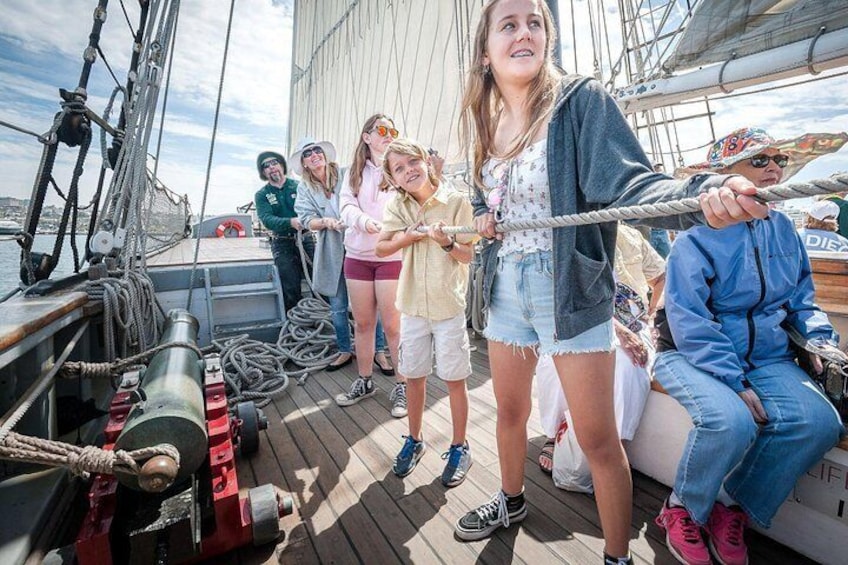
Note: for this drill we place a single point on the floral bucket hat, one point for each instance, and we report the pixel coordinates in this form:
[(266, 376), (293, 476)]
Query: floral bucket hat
[(746, 142)]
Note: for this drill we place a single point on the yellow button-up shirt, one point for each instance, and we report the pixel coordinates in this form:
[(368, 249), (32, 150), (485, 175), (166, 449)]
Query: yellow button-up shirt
[(432, 284), (636, 262)]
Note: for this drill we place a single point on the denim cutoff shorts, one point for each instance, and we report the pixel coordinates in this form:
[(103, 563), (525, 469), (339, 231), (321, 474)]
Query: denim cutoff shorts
[(521, 312)]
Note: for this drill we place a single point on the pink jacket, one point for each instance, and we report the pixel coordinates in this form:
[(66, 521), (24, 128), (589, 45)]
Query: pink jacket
[(356, 210)]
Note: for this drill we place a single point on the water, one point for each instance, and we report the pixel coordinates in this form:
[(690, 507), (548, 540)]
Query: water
[(10, 258)]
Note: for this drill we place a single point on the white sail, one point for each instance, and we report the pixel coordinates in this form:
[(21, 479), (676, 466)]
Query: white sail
[(721, 28), (733, 44), (403, 59)]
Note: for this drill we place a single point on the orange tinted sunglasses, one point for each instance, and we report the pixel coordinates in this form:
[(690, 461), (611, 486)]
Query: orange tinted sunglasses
[(383, 131)]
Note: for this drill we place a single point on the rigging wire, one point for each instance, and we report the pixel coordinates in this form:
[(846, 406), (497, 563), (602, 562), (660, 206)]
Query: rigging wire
[(595, 48), (38, 136), (574, 35), (127, 18), (355, 89), (165, 96), (211, 149), (108, 66), (447, 149), (606, 33)]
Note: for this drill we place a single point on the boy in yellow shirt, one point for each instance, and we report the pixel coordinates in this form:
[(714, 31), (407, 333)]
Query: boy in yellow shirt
[(431, 296)]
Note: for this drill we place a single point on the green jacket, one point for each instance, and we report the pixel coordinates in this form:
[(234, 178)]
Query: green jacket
[(275, 207)]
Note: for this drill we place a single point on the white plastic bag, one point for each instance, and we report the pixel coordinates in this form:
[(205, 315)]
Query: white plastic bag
[(571, 469), (632, 385)]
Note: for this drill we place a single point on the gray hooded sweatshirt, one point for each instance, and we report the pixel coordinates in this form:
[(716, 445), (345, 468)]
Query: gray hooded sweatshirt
[(594, 162)]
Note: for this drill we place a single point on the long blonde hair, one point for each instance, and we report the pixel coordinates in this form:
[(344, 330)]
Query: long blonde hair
[(315, 184), (410, 148), (363, 153), (482, 102)]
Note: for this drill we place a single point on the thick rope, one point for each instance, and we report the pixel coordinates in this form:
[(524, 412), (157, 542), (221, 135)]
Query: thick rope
[(259, 371), (80, 460), (833, 185), (130, 304), (86, 370)]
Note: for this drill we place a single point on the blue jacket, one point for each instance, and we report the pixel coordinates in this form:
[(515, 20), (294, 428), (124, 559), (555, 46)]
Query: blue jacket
[(728, 292), (594, 162)]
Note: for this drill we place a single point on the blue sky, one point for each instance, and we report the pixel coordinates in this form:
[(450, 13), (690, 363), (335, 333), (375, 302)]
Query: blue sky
[(41, 45)]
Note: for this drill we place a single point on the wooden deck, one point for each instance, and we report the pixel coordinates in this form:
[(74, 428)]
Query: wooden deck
[(213, 250), (350, 508)]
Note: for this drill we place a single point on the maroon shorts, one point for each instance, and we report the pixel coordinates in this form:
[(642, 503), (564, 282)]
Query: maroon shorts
[(359, 270)]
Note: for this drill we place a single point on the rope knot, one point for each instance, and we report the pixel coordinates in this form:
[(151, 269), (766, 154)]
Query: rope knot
[(91, 459)]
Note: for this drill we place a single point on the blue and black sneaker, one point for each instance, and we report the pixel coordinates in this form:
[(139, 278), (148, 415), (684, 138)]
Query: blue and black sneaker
[(408, 457), (459, 461)]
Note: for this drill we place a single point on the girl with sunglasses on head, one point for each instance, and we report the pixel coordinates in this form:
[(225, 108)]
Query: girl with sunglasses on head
[(371, 280), (759, 420), (317, 207), (543, 145)]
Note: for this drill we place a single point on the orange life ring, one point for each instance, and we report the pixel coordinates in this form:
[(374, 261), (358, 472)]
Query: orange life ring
[(227, 225)]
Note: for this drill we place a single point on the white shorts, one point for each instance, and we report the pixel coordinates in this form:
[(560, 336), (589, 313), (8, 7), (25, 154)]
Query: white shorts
[(418, 339)]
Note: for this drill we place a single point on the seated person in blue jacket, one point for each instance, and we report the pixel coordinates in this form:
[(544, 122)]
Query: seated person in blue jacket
[(759, 420), (820, 228)]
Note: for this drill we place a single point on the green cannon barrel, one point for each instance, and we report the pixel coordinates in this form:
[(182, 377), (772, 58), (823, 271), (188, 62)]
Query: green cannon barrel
[(171, 409)]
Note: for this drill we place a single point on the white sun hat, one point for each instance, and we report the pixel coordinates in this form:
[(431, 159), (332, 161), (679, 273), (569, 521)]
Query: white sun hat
[(824, 209), (305, 143)]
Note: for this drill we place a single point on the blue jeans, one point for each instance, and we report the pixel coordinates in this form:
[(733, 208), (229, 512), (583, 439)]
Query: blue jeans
[(521, 312), (660, 242), (338, 312), (758, 465)]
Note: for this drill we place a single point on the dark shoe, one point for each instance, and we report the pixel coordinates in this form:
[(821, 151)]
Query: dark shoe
[(609, 560), (386, 369), (335, 365), (483, 521), (361, 388)]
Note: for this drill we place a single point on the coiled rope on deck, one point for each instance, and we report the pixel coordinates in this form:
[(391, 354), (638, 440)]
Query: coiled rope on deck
[(259, 371), (835, 184)]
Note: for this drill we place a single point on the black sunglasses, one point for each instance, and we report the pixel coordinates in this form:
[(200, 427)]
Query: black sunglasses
[(269, 163), (762, 160), (308, 152)]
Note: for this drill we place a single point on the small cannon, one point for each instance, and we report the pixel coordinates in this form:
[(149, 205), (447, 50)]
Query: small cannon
[(183, 511), (168, 407)]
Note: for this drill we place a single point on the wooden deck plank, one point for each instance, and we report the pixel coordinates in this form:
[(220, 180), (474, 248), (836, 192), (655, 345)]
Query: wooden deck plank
[(213, 250), (351, 508)]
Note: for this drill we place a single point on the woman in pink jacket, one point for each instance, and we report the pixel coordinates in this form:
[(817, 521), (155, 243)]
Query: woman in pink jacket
[(371, 281)]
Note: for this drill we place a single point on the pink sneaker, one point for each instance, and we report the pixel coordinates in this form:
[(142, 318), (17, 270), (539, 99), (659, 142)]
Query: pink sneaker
[(683, 536), (726, 526)]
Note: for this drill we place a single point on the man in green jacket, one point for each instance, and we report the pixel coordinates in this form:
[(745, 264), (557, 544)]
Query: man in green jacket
[(275, 208)]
